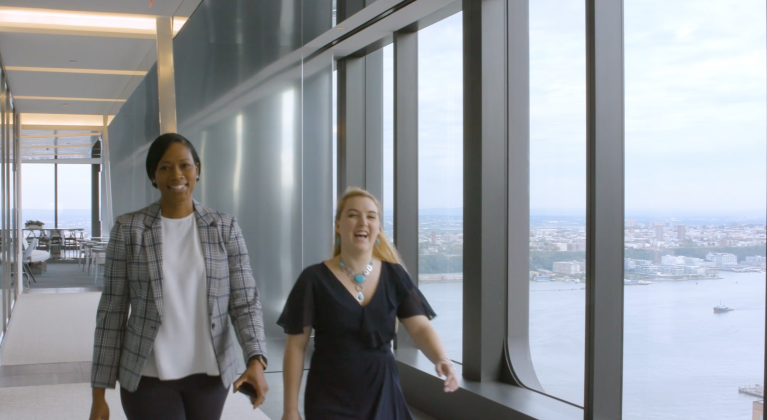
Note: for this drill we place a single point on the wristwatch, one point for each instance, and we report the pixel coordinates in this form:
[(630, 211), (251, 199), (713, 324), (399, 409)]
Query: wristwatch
[(260, 358)]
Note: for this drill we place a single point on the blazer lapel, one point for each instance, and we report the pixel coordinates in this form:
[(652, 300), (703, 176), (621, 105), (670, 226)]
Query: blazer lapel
[(210, 243), (152, 244)]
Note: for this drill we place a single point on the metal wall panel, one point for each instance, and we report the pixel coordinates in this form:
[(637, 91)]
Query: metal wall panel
[(259, 161), (130, 133)]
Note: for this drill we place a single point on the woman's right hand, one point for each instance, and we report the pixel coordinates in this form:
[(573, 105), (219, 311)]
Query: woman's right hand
[(292, 415), (99, 407)]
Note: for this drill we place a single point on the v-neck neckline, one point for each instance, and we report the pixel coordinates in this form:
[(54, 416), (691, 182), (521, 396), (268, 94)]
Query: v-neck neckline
[(346, 291)]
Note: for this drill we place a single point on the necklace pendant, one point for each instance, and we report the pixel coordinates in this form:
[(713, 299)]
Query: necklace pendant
[(360, 296), (359, 279)]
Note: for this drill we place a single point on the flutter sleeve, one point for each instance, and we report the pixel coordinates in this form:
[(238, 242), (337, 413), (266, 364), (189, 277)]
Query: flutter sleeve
[(411, 301), (299, 309)]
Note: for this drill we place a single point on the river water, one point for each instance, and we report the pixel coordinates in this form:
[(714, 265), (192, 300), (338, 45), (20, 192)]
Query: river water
[(681, 360)]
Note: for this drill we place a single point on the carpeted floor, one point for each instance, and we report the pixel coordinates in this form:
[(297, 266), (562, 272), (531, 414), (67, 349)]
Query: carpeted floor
[(51, 328), (61, 275), (73, 401)]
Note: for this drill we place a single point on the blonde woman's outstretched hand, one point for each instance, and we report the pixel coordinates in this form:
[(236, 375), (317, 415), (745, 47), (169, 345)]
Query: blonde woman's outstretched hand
[(445, 368)]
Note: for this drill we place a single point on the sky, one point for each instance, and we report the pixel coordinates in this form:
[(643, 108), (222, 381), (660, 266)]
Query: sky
[(695, 108), (696, 112), (37, 183)]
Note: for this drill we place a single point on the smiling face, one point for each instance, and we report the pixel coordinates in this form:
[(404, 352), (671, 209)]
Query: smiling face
[(176, 174), (358, 225)]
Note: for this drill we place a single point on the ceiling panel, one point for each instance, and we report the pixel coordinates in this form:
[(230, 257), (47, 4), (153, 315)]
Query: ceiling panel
[(90, 52), (74, 107), (160, 7), (45, 147), (103, 86)]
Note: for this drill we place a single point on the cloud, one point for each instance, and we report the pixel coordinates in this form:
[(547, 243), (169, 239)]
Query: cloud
[(695, 107)]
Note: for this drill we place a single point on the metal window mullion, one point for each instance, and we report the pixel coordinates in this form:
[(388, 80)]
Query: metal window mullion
[(518, 59), (351, 123), (604, 209), (406, 149), (18, 200), (374, 123), (406, 156), (485, 188), (108, 215)]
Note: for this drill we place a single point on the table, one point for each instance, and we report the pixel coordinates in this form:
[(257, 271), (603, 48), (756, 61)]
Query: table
[(56, 238)]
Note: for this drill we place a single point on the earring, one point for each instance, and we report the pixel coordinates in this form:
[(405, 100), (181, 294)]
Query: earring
[(338, 241), (198, 178), (378, 241)]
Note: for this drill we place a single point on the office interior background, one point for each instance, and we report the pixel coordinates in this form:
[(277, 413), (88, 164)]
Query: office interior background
[(578, 187)]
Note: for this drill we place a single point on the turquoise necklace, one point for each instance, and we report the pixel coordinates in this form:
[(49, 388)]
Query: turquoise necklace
[(358, 279)]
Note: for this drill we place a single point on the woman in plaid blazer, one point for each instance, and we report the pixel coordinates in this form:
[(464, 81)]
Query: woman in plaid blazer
[(172, 352)]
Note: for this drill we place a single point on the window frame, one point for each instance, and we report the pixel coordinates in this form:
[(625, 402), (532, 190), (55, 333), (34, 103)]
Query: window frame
[(498, 376)]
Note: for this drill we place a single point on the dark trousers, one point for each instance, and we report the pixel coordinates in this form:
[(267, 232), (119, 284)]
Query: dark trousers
[(195, 397)]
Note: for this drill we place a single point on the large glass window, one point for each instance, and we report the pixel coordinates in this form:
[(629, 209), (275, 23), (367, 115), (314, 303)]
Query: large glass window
[(38, 193), (695, 206), (558, 196), (440, 176), (74, 183)]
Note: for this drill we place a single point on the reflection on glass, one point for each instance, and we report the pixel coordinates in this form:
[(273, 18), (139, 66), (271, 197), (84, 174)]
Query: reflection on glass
[(695, 209), (335, 137), (388, 141), (558, 196), (238, 160), (440, 176), (288, 129)]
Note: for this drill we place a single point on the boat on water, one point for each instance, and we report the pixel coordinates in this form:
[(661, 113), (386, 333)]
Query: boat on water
[(718, 309), (628, 282)]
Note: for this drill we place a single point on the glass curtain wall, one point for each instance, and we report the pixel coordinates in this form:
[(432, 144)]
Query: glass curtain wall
[(558, 196), (9, 241), (440, 176), (694, 299)]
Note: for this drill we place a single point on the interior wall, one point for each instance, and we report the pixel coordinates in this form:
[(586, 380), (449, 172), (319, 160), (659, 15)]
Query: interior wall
[(130, 133), (264, 138)]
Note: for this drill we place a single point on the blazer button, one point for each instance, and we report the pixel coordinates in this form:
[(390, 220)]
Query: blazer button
[(213, 327)]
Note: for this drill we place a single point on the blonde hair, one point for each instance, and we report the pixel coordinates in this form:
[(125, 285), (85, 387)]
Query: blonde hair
[(384, 250)]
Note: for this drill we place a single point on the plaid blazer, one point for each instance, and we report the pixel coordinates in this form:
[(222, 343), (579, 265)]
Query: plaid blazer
[(133, 279)]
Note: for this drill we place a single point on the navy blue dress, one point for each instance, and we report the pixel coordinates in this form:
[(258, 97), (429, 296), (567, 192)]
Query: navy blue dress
[(353, 373)]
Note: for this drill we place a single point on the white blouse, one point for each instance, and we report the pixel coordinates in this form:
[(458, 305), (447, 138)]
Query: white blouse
[(184, 344)]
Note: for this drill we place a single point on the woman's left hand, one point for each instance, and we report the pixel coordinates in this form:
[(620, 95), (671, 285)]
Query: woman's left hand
[(445, 368), (254, 375)]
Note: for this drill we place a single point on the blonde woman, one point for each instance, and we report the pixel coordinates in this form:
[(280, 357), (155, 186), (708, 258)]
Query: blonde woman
[(352, 301)]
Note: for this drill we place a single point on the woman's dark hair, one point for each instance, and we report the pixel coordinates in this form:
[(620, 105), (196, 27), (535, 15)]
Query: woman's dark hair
[(158, 148)]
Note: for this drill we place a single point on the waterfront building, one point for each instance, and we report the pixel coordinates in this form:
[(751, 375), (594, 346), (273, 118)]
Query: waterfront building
[(722, 259), (566, 267)]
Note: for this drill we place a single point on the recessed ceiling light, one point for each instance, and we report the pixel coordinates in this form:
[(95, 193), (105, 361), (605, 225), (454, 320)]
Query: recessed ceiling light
[(341, 27), (58, 20)]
